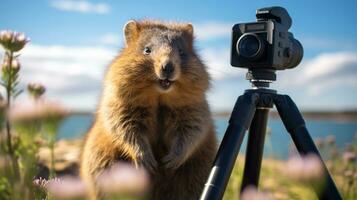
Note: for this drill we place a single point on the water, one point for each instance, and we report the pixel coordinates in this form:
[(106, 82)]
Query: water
[(276, 144)]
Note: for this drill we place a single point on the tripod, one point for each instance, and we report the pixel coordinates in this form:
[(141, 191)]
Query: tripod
[(251, 110)]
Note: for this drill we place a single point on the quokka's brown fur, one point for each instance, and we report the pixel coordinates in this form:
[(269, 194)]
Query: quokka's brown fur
[(167, 131)]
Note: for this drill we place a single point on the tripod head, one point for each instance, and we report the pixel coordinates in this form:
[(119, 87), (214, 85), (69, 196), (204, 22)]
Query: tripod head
[(261, 78)]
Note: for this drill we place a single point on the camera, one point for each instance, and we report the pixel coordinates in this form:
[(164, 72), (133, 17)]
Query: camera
[(266, 43)]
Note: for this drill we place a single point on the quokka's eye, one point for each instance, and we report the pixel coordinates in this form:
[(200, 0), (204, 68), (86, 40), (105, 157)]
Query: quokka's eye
[(181, 52), (147, 50)]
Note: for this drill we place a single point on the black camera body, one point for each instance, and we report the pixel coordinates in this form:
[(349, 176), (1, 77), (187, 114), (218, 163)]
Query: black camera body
[(266, 44)]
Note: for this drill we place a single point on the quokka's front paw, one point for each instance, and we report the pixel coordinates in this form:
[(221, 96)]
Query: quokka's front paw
[(173, 160), (148, 161)]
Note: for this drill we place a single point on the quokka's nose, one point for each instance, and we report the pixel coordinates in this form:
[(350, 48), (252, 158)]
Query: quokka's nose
[(168, 69)]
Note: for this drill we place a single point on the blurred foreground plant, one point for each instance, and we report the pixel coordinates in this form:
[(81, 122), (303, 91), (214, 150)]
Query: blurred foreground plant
[(36, 121), (12, 43), (252, 193), (26, 126), (121, 181), (306, 169)]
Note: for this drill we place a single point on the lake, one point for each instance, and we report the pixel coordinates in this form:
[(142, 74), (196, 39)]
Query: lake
[(276, 144)]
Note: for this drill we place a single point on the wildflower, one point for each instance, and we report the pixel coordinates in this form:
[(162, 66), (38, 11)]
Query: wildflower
[(42, 183), (348, 173), (6, 36), (330, 140), (305, 168), (6, 61), (251, 193), (15, 65), (10, 70), (13, 41), (122, 178), (349, 156), (33, 111), (36, 90), (66, 188)]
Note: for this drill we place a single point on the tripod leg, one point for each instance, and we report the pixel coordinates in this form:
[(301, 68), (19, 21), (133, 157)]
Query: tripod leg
[(295, 125), (255, 148), (239, 122)]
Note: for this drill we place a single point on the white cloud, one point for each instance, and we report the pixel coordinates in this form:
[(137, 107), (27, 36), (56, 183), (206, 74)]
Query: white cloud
[(348, 80), (111, 39), (68, 72), (326, 43), (82, 6), (322, 73), (213, 30), (329, 63), (217, 61)]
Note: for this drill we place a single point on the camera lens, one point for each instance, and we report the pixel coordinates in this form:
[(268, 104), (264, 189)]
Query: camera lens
[(295, 54), (249, 46)]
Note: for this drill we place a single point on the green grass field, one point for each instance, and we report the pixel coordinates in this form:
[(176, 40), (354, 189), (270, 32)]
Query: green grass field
[(281, 186)]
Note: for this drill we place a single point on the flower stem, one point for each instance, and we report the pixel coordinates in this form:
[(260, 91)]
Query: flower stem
[(8, 125), (52, 150)]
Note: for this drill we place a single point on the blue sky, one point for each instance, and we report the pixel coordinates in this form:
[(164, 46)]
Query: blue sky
[(72, 41)]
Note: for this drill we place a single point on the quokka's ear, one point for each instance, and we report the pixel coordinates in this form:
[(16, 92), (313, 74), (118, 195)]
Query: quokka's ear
[(131, 31), (188, 28), (188, 33)]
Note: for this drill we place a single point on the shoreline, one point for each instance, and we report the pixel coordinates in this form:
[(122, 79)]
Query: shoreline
[(343, 116)]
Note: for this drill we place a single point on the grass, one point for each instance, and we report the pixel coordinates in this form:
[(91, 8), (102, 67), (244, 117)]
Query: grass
[(281, 186), (271, 179)]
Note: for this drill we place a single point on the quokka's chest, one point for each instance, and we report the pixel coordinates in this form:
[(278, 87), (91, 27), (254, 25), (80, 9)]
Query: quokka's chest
[(166, 120)]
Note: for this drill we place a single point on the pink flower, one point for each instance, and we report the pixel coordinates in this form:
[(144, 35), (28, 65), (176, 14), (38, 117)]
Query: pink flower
[(10, 69), (123, 177), (251, 193), (36, 90), (42, 110), (349, 156), (13, 41), (6, 36), (305, 168), (20, 37), (15, 65), (66, 188)]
